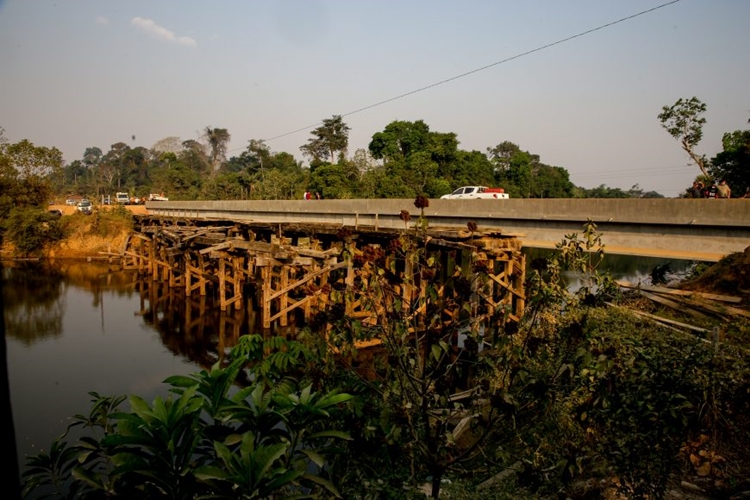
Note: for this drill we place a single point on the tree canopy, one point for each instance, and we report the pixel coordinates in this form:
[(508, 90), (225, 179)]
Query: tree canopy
[(684, 121)]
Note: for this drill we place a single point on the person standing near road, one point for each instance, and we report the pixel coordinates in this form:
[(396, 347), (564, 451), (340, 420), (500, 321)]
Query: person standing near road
[(712, 191), (722, 190)]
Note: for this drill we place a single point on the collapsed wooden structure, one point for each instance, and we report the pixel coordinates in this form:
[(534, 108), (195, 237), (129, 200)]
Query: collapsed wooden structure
[(294, 268)]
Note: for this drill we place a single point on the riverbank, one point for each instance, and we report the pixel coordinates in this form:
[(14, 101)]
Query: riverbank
[(88, 237)]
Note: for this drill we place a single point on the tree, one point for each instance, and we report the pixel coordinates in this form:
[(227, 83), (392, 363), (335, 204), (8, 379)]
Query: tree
[(684, 122), (32, 161), (733, 163), (501, 155), (170, 144), (399, 139), (218, 140), (335, 181), (330, 138), (92, 156), (24, 174)]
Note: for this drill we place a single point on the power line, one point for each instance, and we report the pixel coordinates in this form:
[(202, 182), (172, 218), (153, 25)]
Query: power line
[(477, 70), (642, 172)]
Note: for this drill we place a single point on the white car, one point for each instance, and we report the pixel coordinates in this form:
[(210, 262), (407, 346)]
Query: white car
[(476, 193), (84, 206)]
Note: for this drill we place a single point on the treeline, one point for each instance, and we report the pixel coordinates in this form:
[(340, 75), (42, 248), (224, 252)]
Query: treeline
[(404, 160)]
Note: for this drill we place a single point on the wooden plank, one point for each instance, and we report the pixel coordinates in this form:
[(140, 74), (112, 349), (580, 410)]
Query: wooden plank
[(256, 246), (717, 309), (674, 305), (214, 248), (660, 319), (307, 278), (676, 291)]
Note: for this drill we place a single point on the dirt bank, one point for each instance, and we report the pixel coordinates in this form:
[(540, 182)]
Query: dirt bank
[(88, 237)]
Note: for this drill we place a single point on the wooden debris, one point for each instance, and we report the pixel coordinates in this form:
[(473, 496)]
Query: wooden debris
[(676, 291), (674, 305)]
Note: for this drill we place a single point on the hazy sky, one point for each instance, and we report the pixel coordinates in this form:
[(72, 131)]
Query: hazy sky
[(83, 73)]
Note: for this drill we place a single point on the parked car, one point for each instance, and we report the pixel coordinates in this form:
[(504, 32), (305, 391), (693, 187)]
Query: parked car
[(71, 202), (122, 198), (56, 212), (84, 206)]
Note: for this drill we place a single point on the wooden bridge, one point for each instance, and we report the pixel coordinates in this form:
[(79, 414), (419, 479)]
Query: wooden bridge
[(307, 269)]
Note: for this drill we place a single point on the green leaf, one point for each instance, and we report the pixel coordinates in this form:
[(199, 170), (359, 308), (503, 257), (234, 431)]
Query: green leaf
[(323, 482), (436, 352), (331, 434), (209, 472), (316, 457), (180, 381)]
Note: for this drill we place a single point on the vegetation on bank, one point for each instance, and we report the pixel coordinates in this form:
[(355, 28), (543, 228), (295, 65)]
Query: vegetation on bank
[(576, 398)]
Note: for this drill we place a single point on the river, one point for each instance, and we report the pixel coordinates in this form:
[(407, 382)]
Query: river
[(76, 327)]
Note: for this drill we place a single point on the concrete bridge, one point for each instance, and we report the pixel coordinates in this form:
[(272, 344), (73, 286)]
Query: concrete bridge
[(691, 229)]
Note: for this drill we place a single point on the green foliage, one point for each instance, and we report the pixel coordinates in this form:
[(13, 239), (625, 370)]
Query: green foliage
[(31, 230), (207, 439), (330, 138), (684, 121), (733, 162), (334, 181)]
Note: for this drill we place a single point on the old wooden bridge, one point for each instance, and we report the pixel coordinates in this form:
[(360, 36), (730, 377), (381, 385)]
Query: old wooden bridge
[(303, 269)]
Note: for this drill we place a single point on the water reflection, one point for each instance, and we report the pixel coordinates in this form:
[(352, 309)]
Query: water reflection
[(636, 269), (195, 327), (75, 327), (32, 302)]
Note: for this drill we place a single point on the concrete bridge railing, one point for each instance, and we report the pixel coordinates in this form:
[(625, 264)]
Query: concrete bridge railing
[(694, 229)]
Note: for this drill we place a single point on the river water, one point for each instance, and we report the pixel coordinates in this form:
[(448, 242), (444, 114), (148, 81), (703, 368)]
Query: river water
[(76, 327)]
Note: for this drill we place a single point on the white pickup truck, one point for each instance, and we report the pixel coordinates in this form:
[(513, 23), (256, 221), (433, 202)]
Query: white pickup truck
[(476, 193)]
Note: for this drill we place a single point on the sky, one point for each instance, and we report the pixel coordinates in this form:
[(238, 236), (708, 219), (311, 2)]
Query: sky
[(84, 73)]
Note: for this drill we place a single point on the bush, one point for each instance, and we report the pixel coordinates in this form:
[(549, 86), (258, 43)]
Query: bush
[(32, 229)]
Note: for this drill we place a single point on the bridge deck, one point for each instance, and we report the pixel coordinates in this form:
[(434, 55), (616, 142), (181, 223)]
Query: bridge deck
[(705, 230)]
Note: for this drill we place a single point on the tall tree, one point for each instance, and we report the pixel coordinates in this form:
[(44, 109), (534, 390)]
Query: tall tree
[(92, 156), (501, 155), (329, 139), (399, 139), (112, 166), (218, 141), (684, 121)]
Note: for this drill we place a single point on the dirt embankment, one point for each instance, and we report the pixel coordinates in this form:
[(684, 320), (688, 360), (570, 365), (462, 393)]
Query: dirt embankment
[(88, 236), (731, 275)]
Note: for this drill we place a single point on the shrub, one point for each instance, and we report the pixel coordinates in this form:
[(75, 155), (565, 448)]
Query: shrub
[(32, 229)]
